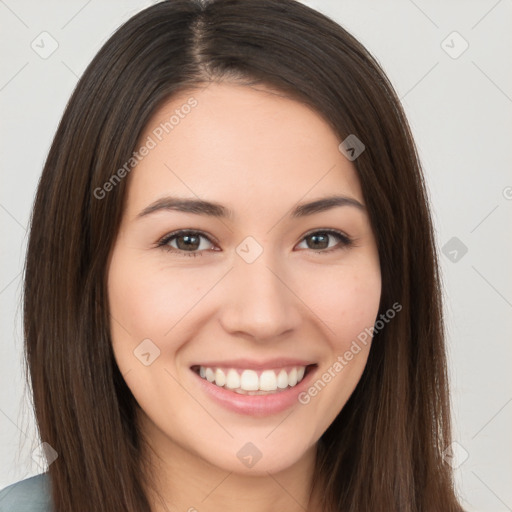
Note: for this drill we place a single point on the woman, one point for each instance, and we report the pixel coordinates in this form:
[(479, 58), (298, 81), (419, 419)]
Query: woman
[(231, 288)]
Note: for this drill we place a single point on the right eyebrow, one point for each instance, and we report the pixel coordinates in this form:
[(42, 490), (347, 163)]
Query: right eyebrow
[(187, 205)]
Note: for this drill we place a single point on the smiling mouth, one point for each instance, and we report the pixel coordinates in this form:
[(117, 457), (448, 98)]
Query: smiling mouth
[(254, 382)]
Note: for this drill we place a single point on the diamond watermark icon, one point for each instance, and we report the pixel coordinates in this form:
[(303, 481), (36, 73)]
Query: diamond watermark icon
[(44, 455), (351, 147), (44, 45), (249, 249), (454, 45), (146, 352), (249, 455), (455, 455), (454, 249)]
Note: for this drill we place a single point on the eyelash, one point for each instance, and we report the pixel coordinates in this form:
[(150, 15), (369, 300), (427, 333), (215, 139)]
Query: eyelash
[(345, 241)]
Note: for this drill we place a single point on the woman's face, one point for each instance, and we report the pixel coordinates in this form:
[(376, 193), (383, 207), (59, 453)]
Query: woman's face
[(256, 292)]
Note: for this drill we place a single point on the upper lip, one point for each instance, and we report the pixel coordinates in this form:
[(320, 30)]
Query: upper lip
[(250, 364)]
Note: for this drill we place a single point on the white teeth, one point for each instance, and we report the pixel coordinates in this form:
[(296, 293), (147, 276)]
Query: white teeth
[(210, 376), (292, 377), (282, 379), (233, 379), (249, 380), (268, 381), (220, 377)]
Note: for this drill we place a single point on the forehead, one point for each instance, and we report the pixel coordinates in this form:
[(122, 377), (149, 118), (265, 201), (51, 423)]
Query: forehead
[(247, 148)]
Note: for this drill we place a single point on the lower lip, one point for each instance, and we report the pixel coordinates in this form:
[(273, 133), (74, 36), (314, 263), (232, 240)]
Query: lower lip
[(256, 405)]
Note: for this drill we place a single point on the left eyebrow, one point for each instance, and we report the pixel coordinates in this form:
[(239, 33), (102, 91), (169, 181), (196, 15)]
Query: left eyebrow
[(326, 203), (213, 209)]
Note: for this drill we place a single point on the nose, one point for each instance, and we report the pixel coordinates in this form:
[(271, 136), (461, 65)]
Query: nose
[(260, 303)]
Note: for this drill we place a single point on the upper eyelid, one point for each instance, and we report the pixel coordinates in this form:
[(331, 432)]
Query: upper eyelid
[(169, 236)]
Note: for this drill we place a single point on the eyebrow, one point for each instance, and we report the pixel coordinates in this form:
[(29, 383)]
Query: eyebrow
[(214, 209)]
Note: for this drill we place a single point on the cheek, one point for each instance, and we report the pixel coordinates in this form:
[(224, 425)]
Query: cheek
[(148, 302), (345, 299)]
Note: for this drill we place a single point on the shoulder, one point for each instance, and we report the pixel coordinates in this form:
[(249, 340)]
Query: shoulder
[(29, 495)]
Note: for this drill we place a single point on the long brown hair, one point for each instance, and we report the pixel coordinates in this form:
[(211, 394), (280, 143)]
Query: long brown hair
[(384, 450)]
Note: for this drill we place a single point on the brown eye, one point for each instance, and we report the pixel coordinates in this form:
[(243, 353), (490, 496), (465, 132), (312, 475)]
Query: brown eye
[(325, 241), (189, 243), (319, 241)]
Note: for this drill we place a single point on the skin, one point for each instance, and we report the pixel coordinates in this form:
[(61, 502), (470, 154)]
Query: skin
[(258, 153)]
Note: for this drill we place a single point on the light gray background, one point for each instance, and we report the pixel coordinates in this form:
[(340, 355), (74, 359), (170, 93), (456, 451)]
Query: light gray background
[(460, 110)]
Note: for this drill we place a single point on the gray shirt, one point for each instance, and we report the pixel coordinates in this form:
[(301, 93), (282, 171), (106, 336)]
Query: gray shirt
[(29, 495)]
